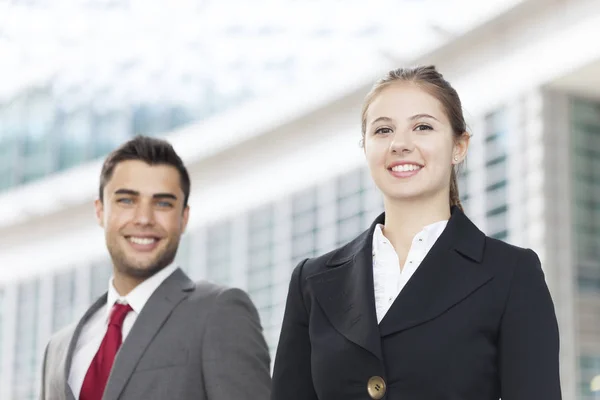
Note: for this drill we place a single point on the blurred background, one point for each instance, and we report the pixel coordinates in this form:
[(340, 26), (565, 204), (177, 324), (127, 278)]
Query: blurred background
[(262, 100)]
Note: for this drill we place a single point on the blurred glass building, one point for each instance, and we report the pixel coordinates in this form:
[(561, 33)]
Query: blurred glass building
[(278, 176)]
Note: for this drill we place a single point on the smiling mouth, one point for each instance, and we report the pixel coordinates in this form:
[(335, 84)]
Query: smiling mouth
[(146, 244), (145, 241), (406, 168)]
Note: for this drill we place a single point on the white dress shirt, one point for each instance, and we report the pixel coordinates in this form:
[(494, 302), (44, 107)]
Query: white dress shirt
[(388, 278), (94, 330)]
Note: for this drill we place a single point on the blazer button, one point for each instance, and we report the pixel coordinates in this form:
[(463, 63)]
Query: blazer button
[(376, 387)]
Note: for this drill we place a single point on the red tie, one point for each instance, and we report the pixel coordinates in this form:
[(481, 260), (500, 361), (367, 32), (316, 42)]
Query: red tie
[(97, 375)]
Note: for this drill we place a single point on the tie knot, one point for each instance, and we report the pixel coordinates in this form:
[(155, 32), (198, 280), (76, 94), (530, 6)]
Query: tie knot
[(118, 314)]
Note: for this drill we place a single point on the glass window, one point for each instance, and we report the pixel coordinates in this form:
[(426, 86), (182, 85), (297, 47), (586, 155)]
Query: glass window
[(304, 225), (192, 254), (589, 386), (182, 259), (27, 357), (12, 122), (496, 174), (587, 247), (585, 144), (76, 134), (12, 118), (496, 198), (11, 128), (349, 228), (7, 178), (99, 276), (152, 119), (1, 325), (218, 252), (497, 211), (260, 248), (110, 130), (351, 195), (40, 120), (350, 206), (260, 237), (496, 186), (350, 183), (37, 142), (179, 116), (64, 299)]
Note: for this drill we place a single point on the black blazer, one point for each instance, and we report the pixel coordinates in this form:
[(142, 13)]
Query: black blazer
[(475, 322)]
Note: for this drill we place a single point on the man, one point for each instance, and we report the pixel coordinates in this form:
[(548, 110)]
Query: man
[(155, 334)]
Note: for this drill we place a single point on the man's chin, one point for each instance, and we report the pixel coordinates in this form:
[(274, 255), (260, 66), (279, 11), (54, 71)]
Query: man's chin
[(141, 265), (145, 270)]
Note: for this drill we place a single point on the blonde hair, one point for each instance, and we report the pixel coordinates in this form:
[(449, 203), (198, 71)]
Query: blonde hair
[(430, 80)]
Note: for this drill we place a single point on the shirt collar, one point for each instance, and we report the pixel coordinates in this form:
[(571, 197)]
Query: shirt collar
[(378, 239), (429, 235), (138, 297), (432, 232)]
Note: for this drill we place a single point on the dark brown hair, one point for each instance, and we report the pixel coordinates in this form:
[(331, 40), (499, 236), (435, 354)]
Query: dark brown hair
[(152, 151), (430, 80)]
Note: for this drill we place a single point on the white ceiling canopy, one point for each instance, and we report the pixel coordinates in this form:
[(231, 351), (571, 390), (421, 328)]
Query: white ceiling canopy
[(130, 51)]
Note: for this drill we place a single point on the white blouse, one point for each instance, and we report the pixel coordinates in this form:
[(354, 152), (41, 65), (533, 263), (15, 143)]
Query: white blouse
[(388, 278)]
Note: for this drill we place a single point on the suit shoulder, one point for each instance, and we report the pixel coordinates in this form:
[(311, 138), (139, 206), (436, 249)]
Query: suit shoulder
[(220, 300), (64, 332), (502, 254), (207, 290), (499, 247), (61, 338), (315, 265), (208, 287)]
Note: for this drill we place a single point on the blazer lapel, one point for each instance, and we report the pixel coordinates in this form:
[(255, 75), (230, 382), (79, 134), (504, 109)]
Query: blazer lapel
[(346, 295), (73, 344), (450, 272), (156, 311)]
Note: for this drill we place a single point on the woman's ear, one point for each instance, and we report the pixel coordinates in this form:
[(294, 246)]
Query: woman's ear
[(461, 145)]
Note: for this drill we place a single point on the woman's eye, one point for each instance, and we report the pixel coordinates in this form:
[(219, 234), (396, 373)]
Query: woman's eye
[(423, 128), (383, 131)]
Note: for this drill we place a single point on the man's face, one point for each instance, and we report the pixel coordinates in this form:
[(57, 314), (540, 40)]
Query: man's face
[(143, 217)]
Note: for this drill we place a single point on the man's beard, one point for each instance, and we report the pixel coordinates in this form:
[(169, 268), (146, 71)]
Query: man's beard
[(146, 269)]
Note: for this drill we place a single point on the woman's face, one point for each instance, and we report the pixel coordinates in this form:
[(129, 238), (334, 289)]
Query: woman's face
[(409, 143)]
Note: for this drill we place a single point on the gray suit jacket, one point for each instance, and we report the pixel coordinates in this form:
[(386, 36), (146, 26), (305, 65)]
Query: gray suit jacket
[(191, 341)]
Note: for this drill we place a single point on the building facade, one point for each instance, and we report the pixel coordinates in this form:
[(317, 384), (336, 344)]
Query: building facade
[(268, 192)]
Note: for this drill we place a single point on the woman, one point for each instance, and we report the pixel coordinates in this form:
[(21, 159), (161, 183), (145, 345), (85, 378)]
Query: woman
[(422, 305)]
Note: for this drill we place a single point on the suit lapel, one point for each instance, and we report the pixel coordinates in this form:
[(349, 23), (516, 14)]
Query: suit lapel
[(73, 344), (346, 295), (69, 394), (450, 272), (154, 314)]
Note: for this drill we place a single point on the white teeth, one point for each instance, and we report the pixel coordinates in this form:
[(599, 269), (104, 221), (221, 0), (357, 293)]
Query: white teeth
[(406, 168), (138, 240)]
